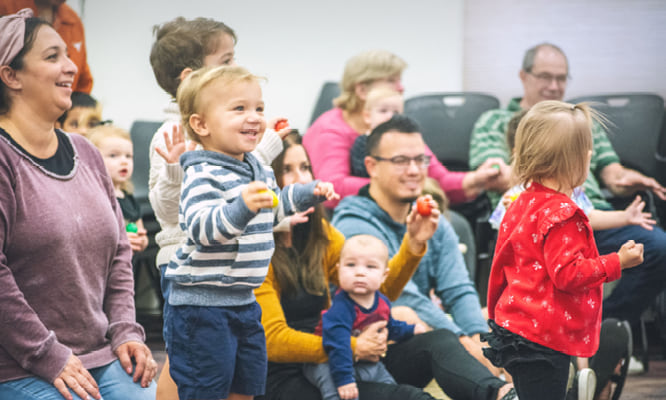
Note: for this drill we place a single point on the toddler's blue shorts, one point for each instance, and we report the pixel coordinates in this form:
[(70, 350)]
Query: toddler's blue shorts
[(214, 351)]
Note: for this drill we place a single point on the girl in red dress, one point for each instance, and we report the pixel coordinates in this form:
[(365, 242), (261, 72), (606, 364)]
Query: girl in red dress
[(545, 288)]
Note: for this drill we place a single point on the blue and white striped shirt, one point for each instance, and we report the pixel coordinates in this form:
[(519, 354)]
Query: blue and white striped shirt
[(228, 246)]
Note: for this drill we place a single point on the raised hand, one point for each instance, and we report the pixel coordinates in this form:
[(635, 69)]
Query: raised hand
[(422, 228), (175, 145)]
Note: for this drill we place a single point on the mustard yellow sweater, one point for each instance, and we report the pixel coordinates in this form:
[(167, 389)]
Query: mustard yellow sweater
[(287, 345)]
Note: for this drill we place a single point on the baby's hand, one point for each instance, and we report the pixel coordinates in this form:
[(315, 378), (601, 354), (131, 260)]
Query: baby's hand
[(419, 329), (348, 391), (635, 215), (175, 146), (631, 254), (257, 195), (325, 189)]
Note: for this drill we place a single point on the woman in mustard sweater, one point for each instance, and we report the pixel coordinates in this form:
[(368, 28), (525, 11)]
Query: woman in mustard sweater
[(296, 291)]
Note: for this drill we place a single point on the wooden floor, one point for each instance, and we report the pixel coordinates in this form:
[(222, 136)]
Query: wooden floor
[(647, 386)]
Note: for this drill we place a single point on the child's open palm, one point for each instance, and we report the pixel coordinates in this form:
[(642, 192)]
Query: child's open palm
[(175, 145), (636, 216)]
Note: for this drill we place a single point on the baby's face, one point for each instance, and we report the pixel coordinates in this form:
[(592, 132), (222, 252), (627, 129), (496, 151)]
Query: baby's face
[(384, 110), (362, 268), (233, 117)]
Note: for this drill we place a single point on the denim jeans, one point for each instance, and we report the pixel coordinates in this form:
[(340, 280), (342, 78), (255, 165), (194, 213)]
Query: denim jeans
[(114, 384)]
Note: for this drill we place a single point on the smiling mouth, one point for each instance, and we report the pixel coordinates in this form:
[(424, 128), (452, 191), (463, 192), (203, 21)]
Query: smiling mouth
[(65, 84)]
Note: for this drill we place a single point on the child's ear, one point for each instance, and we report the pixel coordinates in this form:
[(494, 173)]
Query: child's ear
[(198, 124), (184, 73), (386, 272)]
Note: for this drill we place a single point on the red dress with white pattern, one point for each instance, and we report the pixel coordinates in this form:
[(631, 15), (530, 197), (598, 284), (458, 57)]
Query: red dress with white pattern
[(546, 279)]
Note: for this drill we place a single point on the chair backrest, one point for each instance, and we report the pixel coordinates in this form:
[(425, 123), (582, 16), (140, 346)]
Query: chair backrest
[(447, 120), (661, 154), (634, 128), (329, 91), (142, 133)]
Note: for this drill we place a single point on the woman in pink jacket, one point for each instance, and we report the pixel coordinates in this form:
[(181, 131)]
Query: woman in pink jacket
[(331, 136)]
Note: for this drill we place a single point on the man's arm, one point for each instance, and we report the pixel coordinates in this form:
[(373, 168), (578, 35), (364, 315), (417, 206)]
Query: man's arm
[(624, 182)]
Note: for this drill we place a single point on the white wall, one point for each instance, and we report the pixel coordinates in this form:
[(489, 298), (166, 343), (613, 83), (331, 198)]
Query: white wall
[(612, 45), (296, 44)]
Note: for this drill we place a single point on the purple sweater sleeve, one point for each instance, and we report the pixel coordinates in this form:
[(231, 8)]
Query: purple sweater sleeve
[(119, 295)]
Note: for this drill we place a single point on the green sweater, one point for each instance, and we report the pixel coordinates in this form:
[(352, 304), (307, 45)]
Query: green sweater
[(488, 140)]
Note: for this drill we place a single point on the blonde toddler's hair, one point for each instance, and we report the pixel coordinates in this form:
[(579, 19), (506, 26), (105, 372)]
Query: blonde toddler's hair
[(377, 94), (97, 135), (553, 141)]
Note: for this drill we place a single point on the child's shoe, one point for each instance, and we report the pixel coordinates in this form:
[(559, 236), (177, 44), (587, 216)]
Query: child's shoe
[(587, 382)]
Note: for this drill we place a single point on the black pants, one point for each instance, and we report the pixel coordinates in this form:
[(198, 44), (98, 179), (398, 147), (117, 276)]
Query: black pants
[(541, 380), (413, 364), (438, 354)]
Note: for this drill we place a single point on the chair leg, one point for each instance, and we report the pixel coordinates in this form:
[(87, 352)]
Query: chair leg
[(644, 344)]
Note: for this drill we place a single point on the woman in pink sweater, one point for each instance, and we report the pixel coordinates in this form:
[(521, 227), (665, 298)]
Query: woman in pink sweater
[(330, 138)]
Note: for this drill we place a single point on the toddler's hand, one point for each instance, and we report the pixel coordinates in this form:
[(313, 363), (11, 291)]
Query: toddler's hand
[(348, 391), (325, 189), (631, 254), (139, 240), (419, 329), (175, 146), (257, 195), (635, 215), (282, 133)]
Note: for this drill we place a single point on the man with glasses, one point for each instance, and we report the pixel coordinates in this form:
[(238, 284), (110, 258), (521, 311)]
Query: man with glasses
[(397, 165), (544, 75)]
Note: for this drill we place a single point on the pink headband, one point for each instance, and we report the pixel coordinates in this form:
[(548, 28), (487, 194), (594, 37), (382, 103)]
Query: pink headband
[(12, 30)]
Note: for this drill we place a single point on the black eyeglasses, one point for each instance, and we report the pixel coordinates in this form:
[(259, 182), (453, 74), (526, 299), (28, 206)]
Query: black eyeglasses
[(403, 162), (547, 78)]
